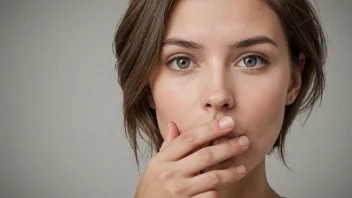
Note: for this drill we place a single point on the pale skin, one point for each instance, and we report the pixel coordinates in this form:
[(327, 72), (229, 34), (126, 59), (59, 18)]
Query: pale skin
[(221, 60)]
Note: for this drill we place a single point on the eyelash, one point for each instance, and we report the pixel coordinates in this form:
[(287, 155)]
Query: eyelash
[(175, 57), (264, 60)]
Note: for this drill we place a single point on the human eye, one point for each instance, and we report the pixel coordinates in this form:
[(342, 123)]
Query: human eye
[(253, 61), (181, 63)]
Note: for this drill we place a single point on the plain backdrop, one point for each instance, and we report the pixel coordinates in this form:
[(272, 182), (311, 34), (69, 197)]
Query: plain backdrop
[(61, 132)]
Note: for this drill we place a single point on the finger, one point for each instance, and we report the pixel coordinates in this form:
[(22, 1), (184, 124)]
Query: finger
[(189, 140), (167, 134), (212, 155), (171, 134), (214, 179), (222, 165), (208, 194)]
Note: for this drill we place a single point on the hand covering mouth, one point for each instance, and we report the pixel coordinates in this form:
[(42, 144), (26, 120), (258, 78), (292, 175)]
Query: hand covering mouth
[(224, 138), (219, 140)]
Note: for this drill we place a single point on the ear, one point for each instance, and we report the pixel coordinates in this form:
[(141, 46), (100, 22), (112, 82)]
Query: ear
[(150, 101), (296, 80)]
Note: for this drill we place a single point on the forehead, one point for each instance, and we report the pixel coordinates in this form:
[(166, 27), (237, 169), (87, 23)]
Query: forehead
[(223, 20)]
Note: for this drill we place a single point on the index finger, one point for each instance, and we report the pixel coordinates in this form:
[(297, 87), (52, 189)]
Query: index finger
[(191, 139)]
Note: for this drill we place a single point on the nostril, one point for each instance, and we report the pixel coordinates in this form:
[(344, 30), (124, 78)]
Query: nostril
[(224, 106)]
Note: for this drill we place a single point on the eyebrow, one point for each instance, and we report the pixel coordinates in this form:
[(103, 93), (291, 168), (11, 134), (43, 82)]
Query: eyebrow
[(238, 44)]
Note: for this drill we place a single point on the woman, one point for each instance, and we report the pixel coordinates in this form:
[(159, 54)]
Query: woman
[(215, 86)]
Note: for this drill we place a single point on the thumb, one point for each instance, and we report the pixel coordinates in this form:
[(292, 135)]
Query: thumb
[(171, 134)]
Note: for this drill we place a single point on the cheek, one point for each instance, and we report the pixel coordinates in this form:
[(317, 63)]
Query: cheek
[(261, 106), (265, 107), (173, 103)]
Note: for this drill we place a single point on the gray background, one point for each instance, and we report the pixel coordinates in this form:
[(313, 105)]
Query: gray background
[(61, 133)]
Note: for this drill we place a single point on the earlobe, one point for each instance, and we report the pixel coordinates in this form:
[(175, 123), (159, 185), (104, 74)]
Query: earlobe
[(290, 100), (296, 80)]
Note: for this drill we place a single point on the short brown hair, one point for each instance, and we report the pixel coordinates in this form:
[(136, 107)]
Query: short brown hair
[(137, 46)]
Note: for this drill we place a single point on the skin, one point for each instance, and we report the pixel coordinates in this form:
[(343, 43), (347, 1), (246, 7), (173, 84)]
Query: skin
[(216, 80)]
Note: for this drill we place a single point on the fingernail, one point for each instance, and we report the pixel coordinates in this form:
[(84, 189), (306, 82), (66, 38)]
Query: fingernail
[(243, 140), (226, 122), (241, 169)]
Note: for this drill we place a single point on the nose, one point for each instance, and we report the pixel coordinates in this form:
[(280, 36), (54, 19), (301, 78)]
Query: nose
[(218, 100), (216, 90), (217, 95)]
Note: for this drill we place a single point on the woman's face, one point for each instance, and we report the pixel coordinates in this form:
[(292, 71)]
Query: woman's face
[(227, 57)]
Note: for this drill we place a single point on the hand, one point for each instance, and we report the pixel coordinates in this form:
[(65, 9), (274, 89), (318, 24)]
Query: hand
[(174, 171)]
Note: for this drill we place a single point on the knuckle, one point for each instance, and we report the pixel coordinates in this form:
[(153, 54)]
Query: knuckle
[(186, 137), (166, 175), (205, 156), (234, 176), (213, 179), (209, 129), (228, 147), (177, 189), (213, 194), (213, 128)]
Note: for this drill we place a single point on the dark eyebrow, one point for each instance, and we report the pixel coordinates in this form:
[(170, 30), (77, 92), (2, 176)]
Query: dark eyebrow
[(182, 43), (253, 41), (239, 44)]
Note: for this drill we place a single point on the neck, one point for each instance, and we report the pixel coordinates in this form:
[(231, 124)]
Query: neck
[(254, 184)]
